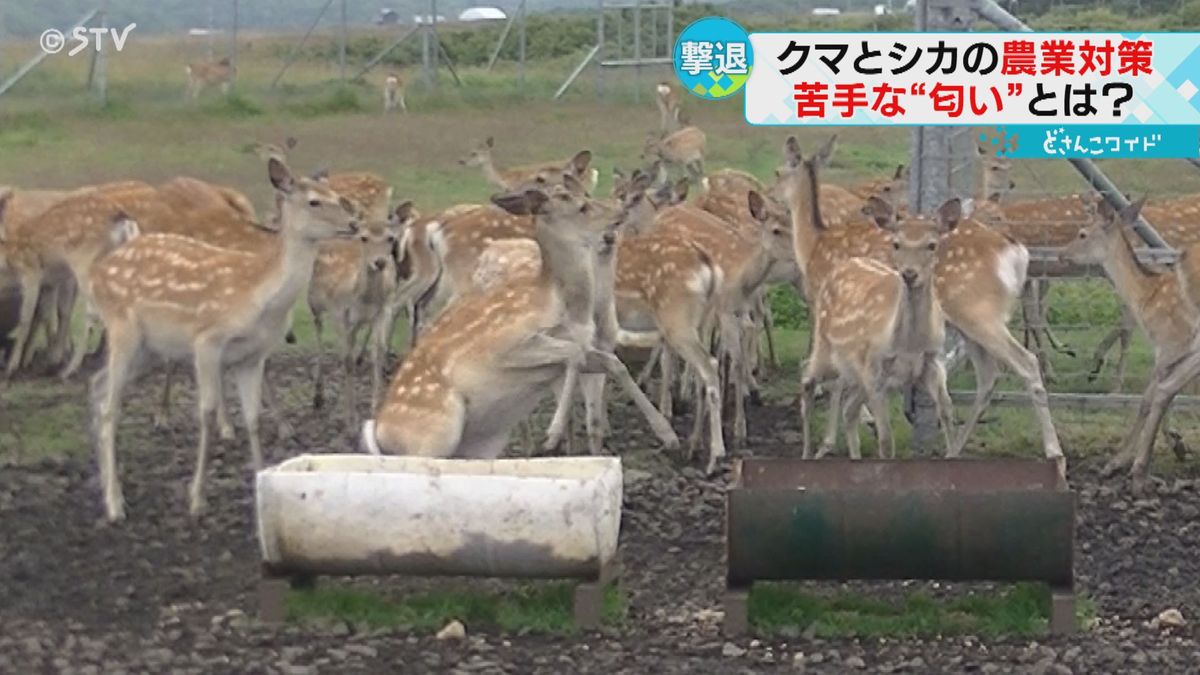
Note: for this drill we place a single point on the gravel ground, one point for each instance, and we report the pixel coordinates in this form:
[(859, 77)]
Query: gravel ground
[(163, 593)]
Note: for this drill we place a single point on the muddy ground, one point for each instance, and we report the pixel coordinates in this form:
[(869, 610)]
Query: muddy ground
[(164, 593)]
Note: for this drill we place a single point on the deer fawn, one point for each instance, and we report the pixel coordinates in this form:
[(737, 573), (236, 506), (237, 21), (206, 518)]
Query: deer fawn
[(668, 108), (1162, 310), (353, 281), (880, 328), (393, 94), (500, 349), (180, 298), (977, 280), (369, 191), (684, 148), (578, 166), (208, 73)]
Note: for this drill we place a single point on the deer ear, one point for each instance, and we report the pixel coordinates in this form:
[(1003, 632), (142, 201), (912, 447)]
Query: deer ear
[(514, 203), (901, 172), (792, 153), (880, 211), (348, 206), (581, 160), (1130, 213), (758, 205), (321, 174), (641, 181), (280, 176), (573, 185), (403, 211), (950, 213), (826, 152)]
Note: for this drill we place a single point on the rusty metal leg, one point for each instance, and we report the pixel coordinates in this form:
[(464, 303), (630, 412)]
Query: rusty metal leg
[(1062, 611), (588, 605), (272, 599), (737, 618)]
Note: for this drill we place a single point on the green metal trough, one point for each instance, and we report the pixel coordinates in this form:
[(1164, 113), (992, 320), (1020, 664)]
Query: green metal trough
[(952, 520)]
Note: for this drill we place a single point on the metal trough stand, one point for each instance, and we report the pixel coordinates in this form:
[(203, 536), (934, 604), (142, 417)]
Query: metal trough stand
[(353, 515), (946, 520)]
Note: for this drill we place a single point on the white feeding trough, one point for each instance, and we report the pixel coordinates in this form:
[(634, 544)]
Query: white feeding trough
[(379, 515)]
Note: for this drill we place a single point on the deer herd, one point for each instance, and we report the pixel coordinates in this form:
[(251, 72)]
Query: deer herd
[(533, 292)]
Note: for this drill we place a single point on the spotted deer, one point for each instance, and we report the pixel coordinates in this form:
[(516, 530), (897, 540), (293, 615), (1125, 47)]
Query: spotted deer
[(667, 102), (393, 94), (179, 298), (878, 326), (369, 191), (684, 148), (202, 74), (66, 239), (1159, 303), (579, 166), (977, 279), (352, 282), (501, 349)]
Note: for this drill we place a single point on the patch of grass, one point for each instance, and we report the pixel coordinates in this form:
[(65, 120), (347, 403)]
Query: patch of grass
[(50, 425), (340, 100), (231, 107), (1021, 610), (539, 608)]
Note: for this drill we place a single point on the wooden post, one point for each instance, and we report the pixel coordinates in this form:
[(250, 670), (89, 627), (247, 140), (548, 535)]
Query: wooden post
[(435, 41), (521, 49), (233, 48), (342, 45)]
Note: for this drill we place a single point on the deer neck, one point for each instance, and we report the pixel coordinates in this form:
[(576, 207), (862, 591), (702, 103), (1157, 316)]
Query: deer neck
[(567, 266), (289, 267), (1133, 282), (805, 210), (918, 328), (492, 174)]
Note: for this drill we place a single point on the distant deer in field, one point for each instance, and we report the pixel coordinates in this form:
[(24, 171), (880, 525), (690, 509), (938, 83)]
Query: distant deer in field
[(1159, 301), (393, 94), (491, 356), (684, 148), (578, 166), (179, 298), (203, 74), (668, 108), (880, 327)]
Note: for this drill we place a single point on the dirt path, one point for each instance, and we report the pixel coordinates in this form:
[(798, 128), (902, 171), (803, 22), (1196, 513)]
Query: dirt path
[(163, 593)]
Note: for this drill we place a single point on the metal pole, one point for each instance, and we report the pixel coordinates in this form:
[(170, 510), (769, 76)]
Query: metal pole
[(212, 13), (521, 49), (996, 14), (342, 45), (295, 52), (601, 52), (99, 74), (386, 50), (637, 51), (233, 48), (425, 55), (504, 36), (575, 73), (436, 42)]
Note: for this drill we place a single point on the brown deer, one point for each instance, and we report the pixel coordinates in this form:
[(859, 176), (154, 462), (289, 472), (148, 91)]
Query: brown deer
[(578, 166), (393, 94), (503, 348), (684, 148), (369, 191), (352, 283), (977, 280), (202, 74), (879, 326), (1160, 306), (180, 298), (668, 108)]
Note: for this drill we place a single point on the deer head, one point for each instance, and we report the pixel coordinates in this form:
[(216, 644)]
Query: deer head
[(1095, 242), (915, 239), (480, 155), (776, 226), (309, 208)]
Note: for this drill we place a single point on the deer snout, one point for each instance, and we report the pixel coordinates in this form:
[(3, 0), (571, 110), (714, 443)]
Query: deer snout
[(909, 275), (379, 264)]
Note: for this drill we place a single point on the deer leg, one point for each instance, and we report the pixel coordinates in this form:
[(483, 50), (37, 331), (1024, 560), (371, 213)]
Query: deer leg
[(562, 410), (1124, 336), (318, 400), (852, 409), (768, 323), (207, 366), (163, 415), (732, 339), (829, 442), (648, 367), (349, 335), (666, 380), (693, 353), (817, 368), (124, 352), (1003, 346), (249, 378), (379, 339), (31, 284), (1101, 353), (1124, 458), (935, 386), (986, 372), (271, 401), (403, 106), (1166, 388), (90, 326), (659, 424), (1055, 344), (593, 406)]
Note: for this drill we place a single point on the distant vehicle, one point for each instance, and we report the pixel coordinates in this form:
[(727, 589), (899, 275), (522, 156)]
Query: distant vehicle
[(424, 19), (826, 11), (482, 14), (203, 31), (881, 10), (387, 17)]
